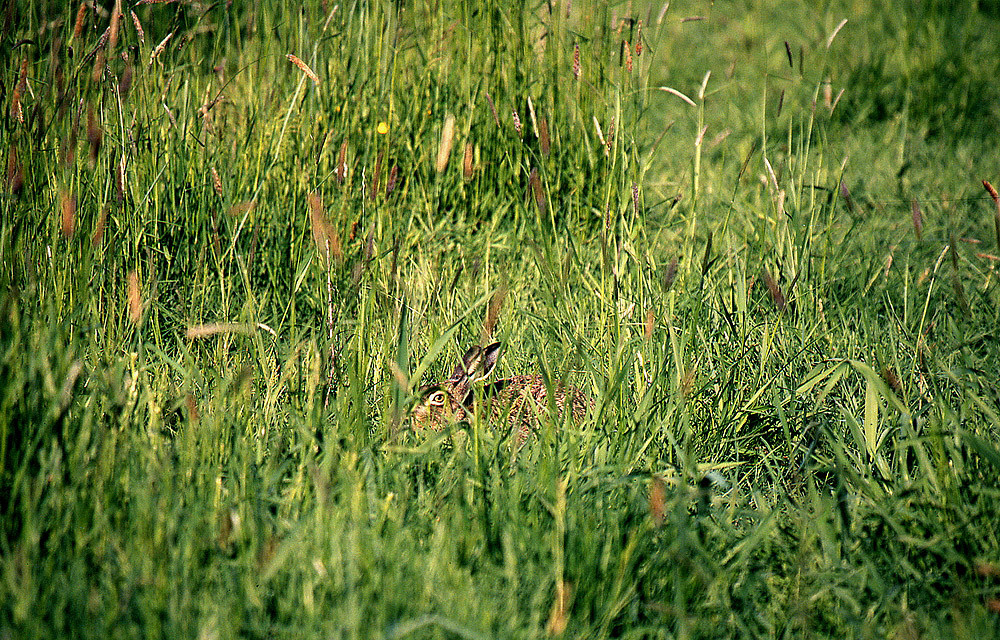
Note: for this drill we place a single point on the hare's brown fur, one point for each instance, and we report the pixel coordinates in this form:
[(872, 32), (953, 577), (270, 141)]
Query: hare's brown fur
[(520, 400)]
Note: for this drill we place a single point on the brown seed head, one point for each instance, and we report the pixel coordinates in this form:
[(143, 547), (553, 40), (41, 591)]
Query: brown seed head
[(67, 205), (138, 28), (303, 67), (393, 181), (134, 298), (94, 134), (116, 14), (657, 500), (326, 237), (444, 146), (341, 171), (15, 174), (216, 182), (772, 287), (543, 136), (81, 16), (102, 220), (467, 161)]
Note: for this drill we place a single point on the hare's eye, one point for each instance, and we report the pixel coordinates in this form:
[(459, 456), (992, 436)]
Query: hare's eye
[(436, 398)]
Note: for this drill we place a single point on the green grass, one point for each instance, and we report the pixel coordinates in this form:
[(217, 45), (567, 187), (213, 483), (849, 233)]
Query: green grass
[(796, 410)]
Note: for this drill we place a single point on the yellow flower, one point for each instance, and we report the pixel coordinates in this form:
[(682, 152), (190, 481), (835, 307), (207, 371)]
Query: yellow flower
[(382, 128)]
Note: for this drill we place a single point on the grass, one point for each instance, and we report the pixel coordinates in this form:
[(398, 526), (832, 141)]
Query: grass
[(223, 280)]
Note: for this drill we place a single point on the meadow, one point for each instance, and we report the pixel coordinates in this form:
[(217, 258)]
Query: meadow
[(762, 238)]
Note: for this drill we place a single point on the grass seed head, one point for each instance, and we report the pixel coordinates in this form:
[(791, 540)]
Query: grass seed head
[(95, 135), (543, 136), (393, 181), (303, 67), (772, 287), (15, 174), (657, 500), (517, 121), (160, 48), (240, 208), (138, 28), (493, 108), (444, 146), (125, 81), (134, 298), (537, 191), (81, 18), (116, 14), (576, 61), (216, 182), (120, 179), (67, 205), (326, 237), (670, 275), (467, 168), (102, 220), (493, 312), (341, 171)]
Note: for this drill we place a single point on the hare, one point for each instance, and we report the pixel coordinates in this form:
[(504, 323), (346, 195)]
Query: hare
[(523, 400)]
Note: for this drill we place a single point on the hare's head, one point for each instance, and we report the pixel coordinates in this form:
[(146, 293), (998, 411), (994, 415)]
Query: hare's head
[(450, 401)]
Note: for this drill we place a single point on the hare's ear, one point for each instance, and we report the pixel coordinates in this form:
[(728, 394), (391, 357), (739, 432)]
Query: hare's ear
[(487, 361)]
